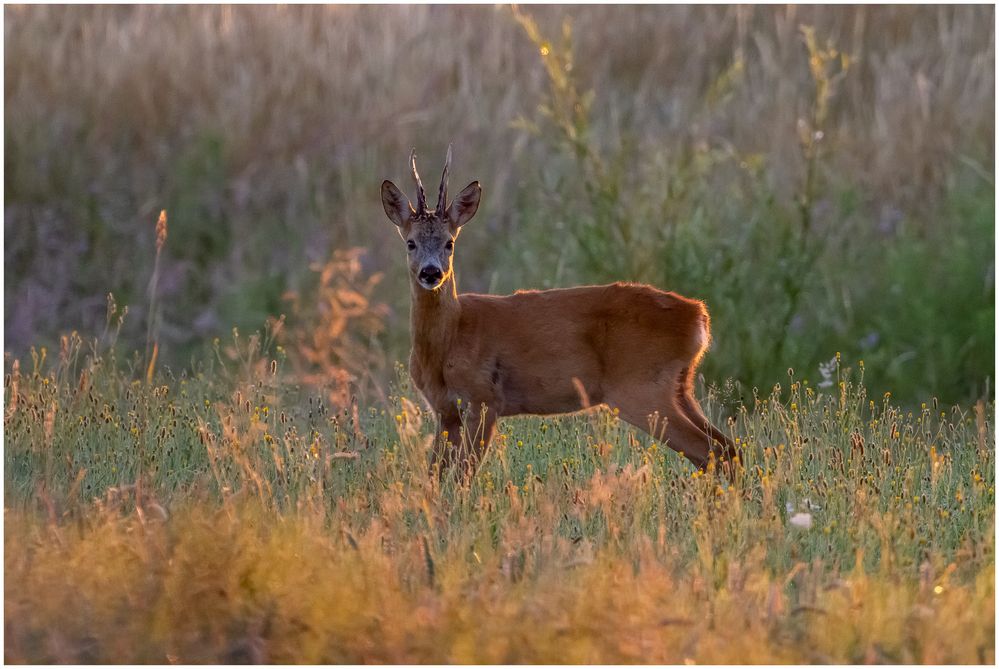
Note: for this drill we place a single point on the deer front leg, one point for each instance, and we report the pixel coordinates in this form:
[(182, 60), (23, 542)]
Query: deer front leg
[(479, 428), (448, 444), (463, 442)]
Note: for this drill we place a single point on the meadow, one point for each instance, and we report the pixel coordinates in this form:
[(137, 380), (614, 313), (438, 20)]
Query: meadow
[(228, 514), (212, 452)]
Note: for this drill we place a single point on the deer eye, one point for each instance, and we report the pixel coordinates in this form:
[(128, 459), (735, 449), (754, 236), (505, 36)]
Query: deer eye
[(411, 245), (449, 245)]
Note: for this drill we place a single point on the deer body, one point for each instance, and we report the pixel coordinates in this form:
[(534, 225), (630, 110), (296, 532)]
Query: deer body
[(629, 346)]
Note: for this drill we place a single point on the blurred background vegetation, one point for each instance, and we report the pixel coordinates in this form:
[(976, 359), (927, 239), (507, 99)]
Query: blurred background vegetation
[(822, 177)]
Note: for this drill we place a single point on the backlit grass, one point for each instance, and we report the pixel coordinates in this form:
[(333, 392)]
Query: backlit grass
[(226, 514)]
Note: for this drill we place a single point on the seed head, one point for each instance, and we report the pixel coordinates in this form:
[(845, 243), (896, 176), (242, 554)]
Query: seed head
[(161, 231)]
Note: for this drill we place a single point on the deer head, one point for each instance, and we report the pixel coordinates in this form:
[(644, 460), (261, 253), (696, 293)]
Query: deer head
[(430, 233)]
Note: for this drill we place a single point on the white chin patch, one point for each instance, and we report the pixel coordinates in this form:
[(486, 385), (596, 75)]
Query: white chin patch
[(429, 286)]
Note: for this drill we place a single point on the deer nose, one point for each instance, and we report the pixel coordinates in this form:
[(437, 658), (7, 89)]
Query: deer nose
[(431, 274)]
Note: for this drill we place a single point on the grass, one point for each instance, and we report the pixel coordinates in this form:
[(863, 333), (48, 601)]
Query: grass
[(226, 513)]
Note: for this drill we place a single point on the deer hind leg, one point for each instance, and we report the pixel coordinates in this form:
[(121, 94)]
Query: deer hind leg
[(680, 433), (723, 447), (638, 403)]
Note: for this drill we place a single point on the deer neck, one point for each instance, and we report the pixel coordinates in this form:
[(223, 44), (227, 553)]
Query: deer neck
[(434, 321)]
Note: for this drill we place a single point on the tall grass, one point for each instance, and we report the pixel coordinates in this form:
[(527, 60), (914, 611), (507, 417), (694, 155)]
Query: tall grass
[(228, 514), (676, 145)]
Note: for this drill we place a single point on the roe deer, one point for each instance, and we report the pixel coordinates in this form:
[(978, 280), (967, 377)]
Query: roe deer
[(629, 346)]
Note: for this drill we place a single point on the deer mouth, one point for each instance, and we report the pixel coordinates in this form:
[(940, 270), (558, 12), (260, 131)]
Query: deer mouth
[(430, 285), (430, 277)]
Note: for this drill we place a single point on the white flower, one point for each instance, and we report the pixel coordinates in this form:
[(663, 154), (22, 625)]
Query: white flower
[(826, 371), (802, 520)]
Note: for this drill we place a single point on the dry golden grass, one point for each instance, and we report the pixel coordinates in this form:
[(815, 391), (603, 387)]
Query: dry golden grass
[(237, 585), (343, 86), (227, 515)]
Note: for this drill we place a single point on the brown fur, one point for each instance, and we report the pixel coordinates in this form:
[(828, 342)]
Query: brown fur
[(628, 346)]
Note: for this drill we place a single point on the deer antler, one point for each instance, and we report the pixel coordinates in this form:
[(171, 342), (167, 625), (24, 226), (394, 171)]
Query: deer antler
[(421, 197), (442, 193)]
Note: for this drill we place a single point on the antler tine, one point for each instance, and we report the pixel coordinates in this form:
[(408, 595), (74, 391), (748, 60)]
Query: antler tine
[(442, 193), (421, 197)]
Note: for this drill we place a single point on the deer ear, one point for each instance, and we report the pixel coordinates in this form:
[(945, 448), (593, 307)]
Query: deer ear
[(465, 205), (396, 204)]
